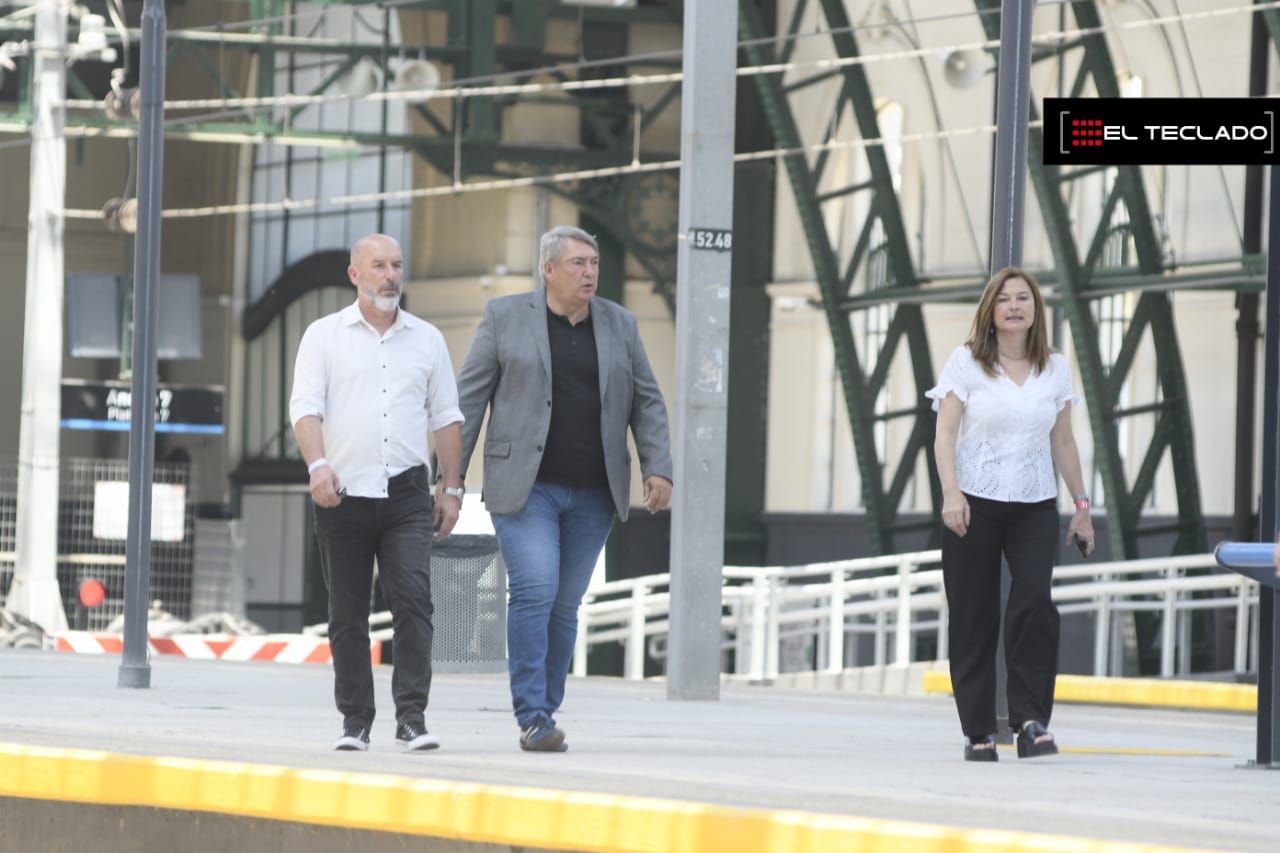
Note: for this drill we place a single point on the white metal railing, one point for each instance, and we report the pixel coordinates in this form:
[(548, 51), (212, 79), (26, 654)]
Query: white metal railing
[(898, 598)]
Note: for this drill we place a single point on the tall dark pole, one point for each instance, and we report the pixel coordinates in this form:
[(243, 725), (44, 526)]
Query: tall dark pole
[(1009, 176), (1247, 331), (1013, 106), (135, 671), (1269, 598), (1243, 527)]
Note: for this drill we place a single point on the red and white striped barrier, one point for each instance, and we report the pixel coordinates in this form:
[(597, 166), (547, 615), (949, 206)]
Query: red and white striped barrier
[(283, 648)]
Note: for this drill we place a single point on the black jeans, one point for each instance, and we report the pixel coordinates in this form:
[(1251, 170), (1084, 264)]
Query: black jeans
[(1027, 535), (397, 531)]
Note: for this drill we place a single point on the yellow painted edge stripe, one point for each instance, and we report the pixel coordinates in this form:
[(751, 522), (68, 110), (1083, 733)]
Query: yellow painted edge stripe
[(1202, 695), (495, 814), (1107, 750)]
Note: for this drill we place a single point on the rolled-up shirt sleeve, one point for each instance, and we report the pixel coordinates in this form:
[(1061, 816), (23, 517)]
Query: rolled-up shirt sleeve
[(442, 391), (309, 380)]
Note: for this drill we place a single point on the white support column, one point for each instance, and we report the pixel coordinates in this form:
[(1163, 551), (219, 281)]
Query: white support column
[(34, 592)]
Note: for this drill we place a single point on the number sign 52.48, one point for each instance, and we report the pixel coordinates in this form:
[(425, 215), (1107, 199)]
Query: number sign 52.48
[(711, 239)]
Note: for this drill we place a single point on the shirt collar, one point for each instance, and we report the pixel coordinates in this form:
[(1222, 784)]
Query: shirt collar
[(351, 315)]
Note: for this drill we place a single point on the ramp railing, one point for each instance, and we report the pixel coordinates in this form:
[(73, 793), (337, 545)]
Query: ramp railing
[(817, 617)]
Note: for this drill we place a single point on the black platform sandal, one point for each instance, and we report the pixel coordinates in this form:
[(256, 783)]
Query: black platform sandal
[(981, 749), (1029, 743)]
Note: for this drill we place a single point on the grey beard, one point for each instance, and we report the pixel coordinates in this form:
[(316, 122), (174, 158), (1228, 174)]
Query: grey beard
[(387, 303)]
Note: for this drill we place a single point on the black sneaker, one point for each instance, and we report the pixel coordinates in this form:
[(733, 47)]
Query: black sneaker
[(355, 737), (542, 736), (415, 738)]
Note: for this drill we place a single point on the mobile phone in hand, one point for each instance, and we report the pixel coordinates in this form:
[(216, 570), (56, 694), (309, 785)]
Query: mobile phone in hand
[(1082, 545)]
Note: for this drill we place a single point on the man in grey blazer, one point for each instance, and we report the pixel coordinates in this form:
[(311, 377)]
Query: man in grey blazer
[(563, 375)]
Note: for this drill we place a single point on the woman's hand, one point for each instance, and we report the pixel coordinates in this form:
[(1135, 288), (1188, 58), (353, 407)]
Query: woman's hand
[(955, 513), (1081, 525)]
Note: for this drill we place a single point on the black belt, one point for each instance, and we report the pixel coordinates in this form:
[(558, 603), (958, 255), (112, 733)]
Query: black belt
[(407, 474)]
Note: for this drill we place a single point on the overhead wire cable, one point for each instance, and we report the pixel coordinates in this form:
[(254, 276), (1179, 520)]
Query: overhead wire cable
[(463, 89), (529, 180)]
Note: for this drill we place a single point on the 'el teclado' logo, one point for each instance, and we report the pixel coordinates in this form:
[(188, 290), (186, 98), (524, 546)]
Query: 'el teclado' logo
[(1086, 132), (1160, 131)]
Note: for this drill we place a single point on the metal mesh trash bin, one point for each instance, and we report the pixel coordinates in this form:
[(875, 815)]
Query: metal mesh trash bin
[(469, 590)]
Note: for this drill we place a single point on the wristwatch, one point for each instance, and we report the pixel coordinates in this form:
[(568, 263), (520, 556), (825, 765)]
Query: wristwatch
[(454, 492)]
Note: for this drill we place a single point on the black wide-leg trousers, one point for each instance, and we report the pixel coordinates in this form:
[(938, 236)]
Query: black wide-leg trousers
[(1026, 535)]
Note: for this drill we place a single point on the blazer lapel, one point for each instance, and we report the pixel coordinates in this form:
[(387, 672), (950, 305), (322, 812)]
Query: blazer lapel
[(538, 311), (600, 329)]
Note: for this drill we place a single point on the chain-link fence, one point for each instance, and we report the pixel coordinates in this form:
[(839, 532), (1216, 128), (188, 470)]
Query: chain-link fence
[(93, 515)]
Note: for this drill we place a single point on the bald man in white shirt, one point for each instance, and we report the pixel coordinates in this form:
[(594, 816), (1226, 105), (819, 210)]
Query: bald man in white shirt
[(369, 383)]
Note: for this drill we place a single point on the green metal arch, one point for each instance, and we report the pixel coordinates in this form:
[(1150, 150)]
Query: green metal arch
[(319, 270)]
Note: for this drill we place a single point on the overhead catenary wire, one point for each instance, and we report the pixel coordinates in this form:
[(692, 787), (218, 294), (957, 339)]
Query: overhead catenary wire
[(587, 174), (490, 185), (464, 89)]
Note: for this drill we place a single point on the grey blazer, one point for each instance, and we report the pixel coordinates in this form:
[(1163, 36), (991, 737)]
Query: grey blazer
[(508, 371)]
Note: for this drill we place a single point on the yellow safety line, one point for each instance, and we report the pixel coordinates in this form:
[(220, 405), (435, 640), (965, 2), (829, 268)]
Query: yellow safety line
[(495, 814), (1109, 750), (1199, 695)]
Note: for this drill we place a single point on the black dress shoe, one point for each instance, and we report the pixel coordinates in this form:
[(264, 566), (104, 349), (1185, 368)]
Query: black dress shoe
[(981, 749), (1029, 743)]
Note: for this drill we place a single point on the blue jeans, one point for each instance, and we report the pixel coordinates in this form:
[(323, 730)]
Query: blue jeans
[(550, 549)]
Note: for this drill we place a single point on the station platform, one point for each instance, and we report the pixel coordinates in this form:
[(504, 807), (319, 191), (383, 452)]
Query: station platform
[(239, 754)]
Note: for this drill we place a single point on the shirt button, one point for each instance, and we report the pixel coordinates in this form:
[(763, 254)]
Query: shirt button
[(539, 448), (548, 404)]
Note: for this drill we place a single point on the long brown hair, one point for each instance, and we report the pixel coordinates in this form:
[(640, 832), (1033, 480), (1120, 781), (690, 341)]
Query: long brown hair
[(982, 337)]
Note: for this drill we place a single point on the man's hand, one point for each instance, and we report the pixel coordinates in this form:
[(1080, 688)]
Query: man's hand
[(324, 487), (657, 493), (445, 514)]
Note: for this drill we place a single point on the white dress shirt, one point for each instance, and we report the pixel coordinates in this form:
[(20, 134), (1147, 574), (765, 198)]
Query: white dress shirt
[(377, 395), (1002, 452)]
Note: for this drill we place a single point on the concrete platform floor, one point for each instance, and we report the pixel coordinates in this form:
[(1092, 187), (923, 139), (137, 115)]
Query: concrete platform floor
[(1170, 778)]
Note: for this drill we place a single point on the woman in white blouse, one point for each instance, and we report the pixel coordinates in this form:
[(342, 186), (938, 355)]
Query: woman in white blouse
[(1004, 423)]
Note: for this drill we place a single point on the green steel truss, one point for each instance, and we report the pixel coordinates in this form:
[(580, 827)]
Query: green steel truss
[(1127, 234), (884, 481), (1124, 255), (463, 144)]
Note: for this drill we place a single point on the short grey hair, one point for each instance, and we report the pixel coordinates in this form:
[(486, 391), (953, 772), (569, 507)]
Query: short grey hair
[(552, 244)]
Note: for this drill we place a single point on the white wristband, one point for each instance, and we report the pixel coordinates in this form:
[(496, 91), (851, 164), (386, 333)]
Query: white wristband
[(314, 465)]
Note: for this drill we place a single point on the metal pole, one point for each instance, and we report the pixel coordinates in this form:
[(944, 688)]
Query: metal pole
[(34, 592), (704, 263), (1013, 104), (1247, 331), (1268, 598), (135, 671), (1243, 523)]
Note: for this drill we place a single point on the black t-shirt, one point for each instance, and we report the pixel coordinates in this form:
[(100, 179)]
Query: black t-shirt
[(574, 454)]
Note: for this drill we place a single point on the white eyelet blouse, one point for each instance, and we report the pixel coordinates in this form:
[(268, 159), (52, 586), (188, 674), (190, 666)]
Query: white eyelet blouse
[(1002, 451)]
